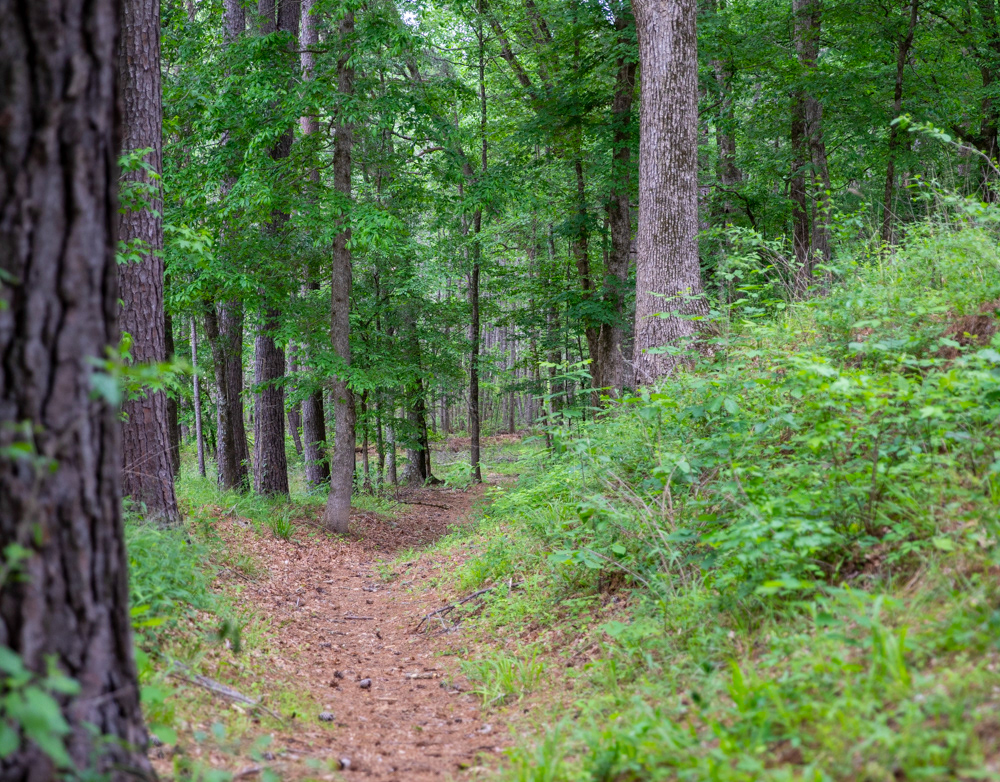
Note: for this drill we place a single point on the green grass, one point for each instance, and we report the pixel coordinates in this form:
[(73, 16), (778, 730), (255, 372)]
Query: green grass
[(803, 532), (501, 678)]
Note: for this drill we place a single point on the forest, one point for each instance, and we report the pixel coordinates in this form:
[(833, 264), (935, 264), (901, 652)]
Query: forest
[(528, 390)]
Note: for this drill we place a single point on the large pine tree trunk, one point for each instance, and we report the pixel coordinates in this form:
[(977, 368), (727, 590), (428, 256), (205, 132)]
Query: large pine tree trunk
[(338, 506), (60, 456), (668, 275), (269, 462), (148, 475)]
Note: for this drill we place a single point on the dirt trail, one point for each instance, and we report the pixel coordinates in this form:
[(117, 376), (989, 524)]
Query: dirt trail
[(339, 623)]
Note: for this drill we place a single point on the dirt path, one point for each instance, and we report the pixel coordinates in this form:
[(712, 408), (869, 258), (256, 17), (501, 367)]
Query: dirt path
[(345, 636)]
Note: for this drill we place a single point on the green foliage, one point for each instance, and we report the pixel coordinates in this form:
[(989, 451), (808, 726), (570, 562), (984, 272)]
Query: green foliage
[(806, 518), (168, 573), (500, 677), (30, 708)]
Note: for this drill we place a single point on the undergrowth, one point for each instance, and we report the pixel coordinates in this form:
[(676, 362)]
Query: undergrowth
[(781, 563)]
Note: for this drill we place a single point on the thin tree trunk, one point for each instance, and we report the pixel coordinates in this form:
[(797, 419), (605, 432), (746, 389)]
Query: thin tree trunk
[(366, 469), (313, 414), (67, 608), (338, 506), (173, 416), (390, 440), (668, 273), (808, 26), (610, 358), (295, 410), (198, 433), (270, 464), (477, 224), (801, 226), (148, 476), (902, 55), (224, 331)]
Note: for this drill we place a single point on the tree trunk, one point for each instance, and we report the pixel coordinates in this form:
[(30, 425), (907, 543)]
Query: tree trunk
[(147, 471), (313, 414), (668, 274), (902, 55), (198, 432), (610, 358), (173, 413), (390, 452), (60, 447), (224, 331), (808, 26), (270, 465), (801, 227), (477, 252), (295, 410), (269, 462), (338, 506)]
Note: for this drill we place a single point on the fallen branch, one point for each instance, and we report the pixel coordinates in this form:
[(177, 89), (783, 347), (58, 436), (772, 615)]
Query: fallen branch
[(428, 504), (219, 688), (439, 613), (360, 618)]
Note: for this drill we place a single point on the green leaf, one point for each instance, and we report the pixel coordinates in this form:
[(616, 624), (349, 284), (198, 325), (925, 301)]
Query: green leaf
[(943, 543), (9, 740)]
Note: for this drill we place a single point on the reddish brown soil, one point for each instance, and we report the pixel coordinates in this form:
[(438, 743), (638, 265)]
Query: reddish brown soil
[(417, 720)]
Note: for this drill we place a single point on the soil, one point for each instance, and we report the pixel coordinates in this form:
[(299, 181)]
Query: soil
[(393, 701)]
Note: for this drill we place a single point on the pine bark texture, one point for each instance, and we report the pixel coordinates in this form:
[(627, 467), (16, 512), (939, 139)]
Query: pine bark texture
[(269, 461), (338, 505), (58, 314), (148, 476), (668, 275), (224, 331)]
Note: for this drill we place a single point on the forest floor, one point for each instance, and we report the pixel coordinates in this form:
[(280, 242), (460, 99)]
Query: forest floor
[(331, 629)]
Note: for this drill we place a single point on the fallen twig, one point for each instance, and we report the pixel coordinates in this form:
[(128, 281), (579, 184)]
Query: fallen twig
[(428, 504), (365, 618), (440, 612), (220, 689)]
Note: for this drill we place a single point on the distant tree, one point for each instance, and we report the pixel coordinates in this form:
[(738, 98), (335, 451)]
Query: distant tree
[(148, 474), (60, 454)]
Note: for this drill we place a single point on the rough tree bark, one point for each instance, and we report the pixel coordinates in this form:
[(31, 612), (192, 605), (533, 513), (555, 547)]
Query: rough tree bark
[(269, 462), (313, 414), (147, 472), (60, 446), (668, 275), (224, 331), (338, 505), (902, 55)]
